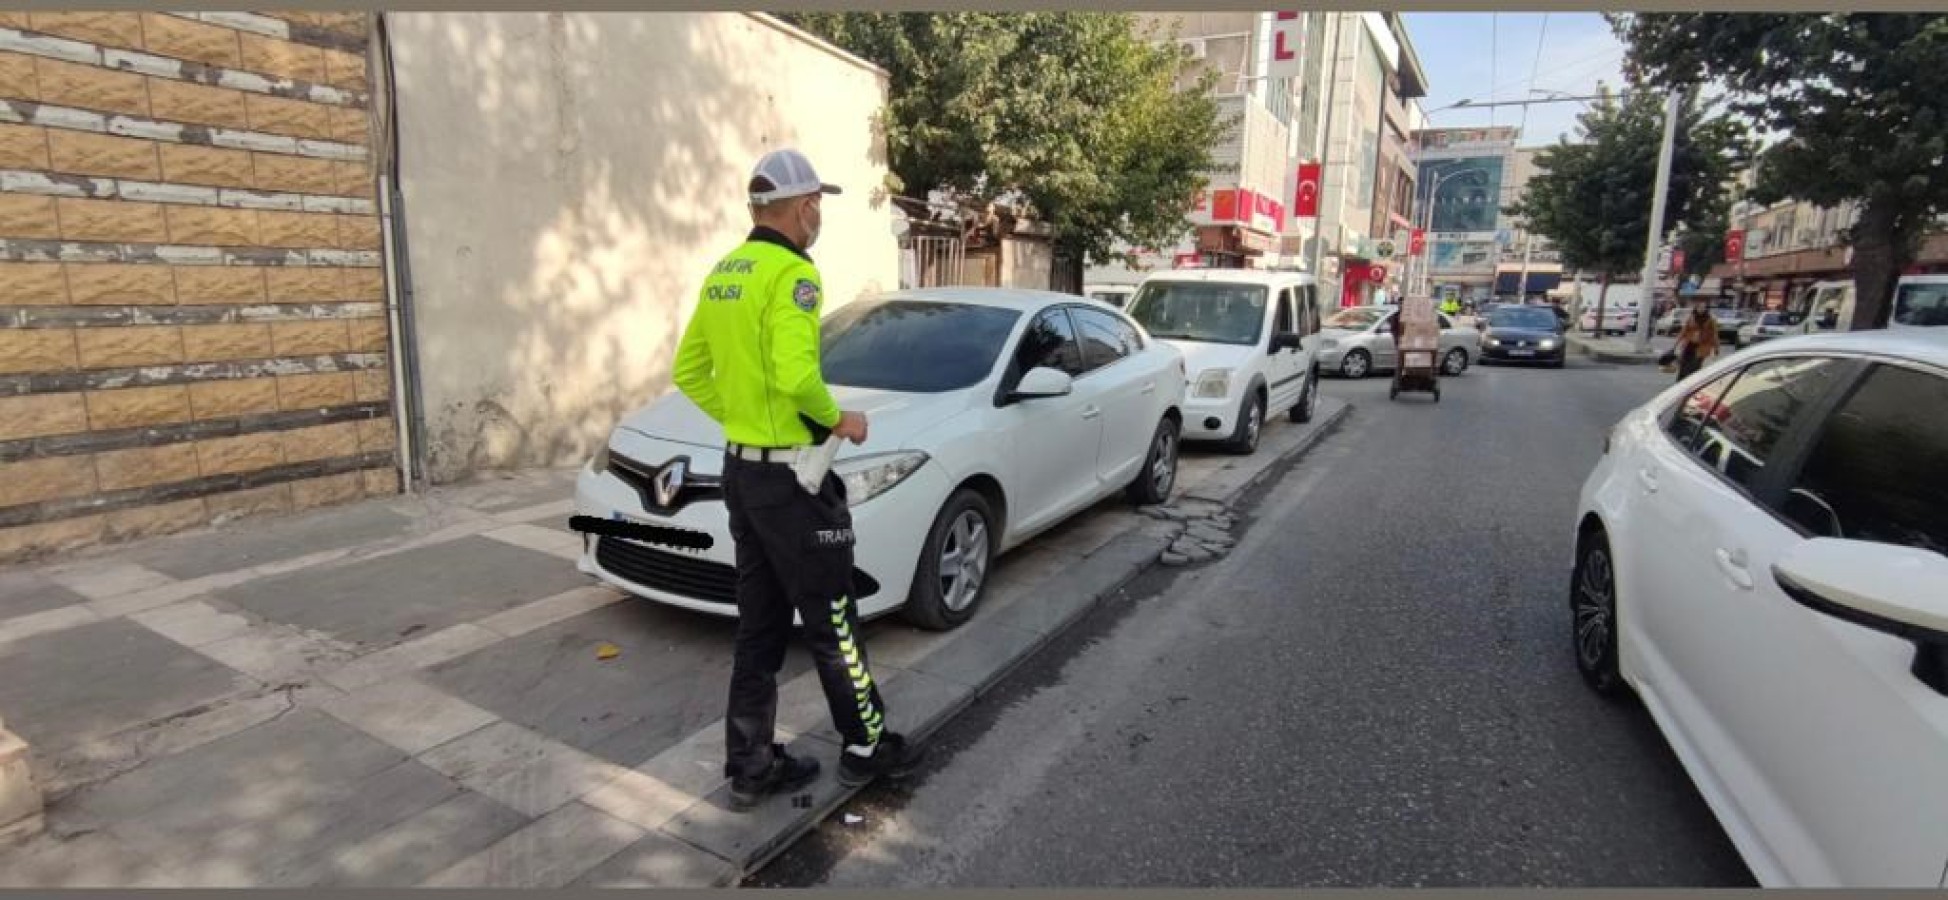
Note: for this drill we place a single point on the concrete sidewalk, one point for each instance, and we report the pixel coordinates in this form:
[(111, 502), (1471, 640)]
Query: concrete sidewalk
[(408, 693)]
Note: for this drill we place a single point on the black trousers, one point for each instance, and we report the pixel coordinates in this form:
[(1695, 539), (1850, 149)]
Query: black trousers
[(794, 554)]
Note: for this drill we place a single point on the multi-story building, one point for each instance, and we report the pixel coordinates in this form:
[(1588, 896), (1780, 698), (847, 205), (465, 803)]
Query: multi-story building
[(1466, 175), (1351, 107)]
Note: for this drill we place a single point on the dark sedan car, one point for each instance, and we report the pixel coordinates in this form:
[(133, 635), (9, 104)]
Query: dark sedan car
[(1524, 334)]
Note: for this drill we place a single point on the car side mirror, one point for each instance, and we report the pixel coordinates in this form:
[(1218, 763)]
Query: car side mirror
[(1043, 382), (1887, 588), (1290, 340)]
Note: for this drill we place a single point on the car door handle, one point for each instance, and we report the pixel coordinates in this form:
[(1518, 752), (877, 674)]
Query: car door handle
[(1091, 412), (1732, 563), (1648, 479), (1149, 387)]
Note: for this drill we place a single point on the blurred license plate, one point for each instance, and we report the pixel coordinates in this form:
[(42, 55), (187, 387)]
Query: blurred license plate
[(1521, 352), (633, 520)]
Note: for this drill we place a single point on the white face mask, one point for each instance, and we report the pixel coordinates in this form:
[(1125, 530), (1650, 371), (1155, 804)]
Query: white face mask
[(812, 230)]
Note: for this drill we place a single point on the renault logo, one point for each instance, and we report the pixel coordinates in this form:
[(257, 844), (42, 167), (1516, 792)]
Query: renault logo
[(669, 482)]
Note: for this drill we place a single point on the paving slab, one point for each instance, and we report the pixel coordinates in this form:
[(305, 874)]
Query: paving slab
[(746, 838), (659, 861), (408, 714), (667, 682), (26, 591), (552, 852), (66, 687), (90, 860), (241, 546), (422, 846), (379, 602)]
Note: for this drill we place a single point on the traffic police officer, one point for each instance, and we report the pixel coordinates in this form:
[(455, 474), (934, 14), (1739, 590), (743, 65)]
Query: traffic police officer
[(750, 359)]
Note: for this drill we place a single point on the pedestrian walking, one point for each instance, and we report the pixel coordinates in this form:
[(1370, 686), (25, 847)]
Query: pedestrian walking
[(749, 358), (1697, 341)]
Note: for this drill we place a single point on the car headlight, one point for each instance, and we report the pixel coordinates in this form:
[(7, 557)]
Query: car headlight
[(1213, 383), (1494, 342), (869, 476), (1548, 343), (1328, 344)]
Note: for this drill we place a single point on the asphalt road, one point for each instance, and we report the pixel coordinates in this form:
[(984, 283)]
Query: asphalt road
[(1375, 689)]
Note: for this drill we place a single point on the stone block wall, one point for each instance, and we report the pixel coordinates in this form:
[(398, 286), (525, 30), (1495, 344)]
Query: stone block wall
[(192, 307)]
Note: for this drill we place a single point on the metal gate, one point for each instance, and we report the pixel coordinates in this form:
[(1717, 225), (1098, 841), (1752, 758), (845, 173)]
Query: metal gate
[(937, 261)]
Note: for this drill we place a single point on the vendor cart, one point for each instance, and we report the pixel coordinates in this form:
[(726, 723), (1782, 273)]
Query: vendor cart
[(1418, 350)]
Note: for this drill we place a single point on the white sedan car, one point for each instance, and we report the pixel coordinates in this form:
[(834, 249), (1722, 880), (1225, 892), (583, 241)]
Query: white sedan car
[(995, 414), (1358, 341), (1760, 559)]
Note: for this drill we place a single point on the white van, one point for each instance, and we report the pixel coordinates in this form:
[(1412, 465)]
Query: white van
[(1828, 307), (1920, 301), (1249, 344)]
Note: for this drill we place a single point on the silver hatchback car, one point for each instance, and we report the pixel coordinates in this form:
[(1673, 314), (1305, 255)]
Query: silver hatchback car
[(1358, 341)]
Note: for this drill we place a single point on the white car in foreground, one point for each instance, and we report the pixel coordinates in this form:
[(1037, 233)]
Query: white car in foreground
[(1760, 559), (995, 415)]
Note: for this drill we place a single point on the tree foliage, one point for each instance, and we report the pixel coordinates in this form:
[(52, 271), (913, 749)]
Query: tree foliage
[(1078, 112), (1592, 197), (1862, 100)]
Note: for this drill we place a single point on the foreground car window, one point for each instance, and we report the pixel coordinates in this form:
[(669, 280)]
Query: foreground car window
[(913, 346), (1758, 409), (1051, 343), (1693, 410), (1208, 313), (1875, 472)]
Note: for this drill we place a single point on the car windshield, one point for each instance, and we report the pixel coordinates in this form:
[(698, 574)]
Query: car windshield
[(1534, 317), (1353, 319), (1773, 318), (1212, 313), (913, 346), (1921, 304)]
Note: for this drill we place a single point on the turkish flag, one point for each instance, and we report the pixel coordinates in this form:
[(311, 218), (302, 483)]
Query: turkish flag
[(1677, 260), (1417, 244), (1735, 245), (1224, 207), (1306, 204)]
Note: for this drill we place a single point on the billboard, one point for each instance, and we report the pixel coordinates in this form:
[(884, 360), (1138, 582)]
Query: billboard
[(1463, 257), (1466, 193)]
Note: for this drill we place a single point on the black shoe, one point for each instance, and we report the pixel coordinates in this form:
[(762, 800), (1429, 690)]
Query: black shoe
[(786, 774), (892, 757)]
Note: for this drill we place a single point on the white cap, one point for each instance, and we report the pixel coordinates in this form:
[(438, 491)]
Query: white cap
[(790, 174)]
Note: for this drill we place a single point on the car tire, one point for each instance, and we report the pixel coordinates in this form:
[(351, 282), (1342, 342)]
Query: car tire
[(1357, 364), (1302, 411), (1593, 615), (1159, 474), (1251, 425), (930, 605), (1454, 362)]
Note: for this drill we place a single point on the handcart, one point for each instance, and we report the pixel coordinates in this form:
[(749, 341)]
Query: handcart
[(1418, 350)]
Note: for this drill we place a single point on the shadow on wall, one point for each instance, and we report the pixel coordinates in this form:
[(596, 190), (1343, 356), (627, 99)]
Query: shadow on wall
[(568, 181)]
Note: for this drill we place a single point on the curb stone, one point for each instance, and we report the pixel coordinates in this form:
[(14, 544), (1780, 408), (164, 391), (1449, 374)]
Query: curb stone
[(1127, 557)]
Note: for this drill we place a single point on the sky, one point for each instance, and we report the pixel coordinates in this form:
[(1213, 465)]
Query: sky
[(1484, 56)]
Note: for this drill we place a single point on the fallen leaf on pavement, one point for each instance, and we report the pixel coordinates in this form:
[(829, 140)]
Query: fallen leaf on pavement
[(608, 651)]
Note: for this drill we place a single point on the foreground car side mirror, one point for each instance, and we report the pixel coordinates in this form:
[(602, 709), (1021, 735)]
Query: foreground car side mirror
[(1290, 340), (1888, 588), (1042, 382)]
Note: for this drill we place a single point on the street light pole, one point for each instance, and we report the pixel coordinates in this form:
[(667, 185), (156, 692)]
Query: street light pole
[(1656, 237)]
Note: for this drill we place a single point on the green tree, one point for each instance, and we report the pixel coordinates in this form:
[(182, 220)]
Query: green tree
[(1077, 111), (1862, 100), (1592, 198)]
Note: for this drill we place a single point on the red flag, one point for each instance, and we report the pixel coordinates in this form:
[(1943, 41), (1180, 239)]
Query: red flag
[(1306, 204), (1735, 245), (1417, 244), (1224, 207), (1677, 261)]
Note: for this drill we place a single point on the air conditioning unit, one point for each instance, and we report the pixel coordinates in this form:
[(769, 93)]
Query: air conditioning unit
[(1194, 49)]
